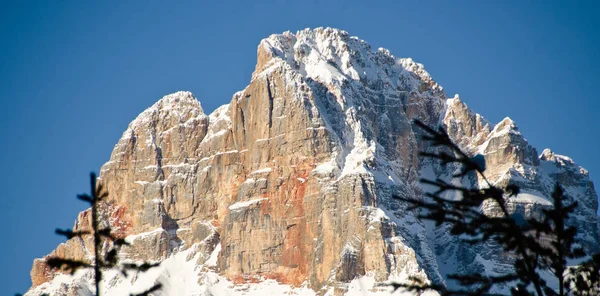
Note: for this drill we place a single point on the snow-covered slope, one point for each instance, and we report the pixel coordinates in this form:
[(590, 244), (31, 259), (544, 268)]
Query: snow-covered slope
[(287, 189)]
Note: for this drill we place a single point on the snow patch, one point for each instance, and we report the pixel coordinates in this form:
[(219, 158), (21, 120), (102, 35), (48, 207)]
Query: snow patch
[(214, 256), (531, 198), (325, 168), (244, 204), (131, 238), (261, 171)]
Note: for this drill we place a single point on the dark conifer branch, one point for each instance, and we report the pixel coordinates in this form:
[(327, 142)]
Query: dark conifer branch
[(67, 265), (544, 244), (69, 234), (95, 200), (154, 288), (100, 237)]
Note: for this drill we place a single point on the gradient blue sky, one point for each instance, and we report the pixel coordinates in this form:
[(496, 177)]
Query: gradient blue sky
[(73, 74)]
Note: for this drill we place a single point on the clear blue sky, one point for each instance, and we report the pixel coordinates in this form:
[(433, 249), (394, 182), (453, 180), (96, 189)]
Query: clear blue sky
[(73, 74)]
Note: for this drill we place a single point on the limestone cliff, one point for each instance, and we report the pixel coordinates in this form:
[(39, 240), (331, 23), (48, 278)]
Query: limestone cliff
[(288, 187)]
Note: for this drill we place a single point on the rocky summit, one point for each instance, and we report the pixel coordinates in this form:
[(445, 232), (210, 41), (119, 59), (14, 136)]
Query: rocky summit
[(288, 188)]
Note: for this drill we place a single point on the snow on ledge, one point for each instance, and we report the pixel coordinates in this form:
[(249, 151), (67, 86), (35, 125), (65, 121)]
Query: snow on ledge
[(524, 197), (131, 238), (262, 171), (244, 204)]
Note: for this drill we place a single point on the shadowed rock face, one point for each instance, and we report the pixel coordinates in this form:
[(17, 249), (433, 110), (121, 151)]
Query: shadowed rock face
[(510, 160), (292, 180)]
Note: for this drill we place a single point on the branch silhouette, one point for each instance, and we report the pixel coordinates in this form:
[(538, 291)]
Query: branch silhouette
[(537, 244), (101, 236)]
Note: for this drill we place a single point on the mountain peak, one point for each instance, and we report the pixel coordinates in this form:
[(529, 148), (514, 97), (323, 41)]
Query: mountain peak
[(549, 155), (332, 56), (291, 184), (181, 104)]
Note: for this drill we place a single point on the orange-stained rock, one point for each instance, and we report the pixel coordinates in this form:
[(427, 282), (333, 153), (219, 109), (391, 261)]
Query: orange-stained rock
[(293, 179)]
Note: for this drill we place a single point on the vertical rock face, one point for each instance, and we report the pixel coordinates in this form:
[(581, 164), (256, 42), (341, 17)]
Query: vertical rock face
[(292, 180)]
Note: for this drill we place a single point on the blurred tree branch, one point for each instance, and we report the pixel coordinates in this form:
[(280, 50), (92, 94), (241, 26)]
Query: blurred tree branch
[(516, 234)]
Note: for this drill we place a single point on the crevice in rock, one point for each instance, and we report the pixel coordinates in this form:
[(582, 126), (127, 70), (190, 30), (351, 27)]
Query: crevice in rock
[(270, 99), (243, 123), (159, 170)]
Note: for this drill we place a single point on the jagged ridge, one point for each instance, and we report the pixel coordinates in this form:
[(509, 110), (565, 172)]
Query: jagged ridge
[(291, 183)]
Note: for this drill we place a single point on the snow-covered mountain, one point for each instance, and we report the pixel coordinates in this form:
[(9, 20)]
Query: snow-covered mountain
[(287, 189)]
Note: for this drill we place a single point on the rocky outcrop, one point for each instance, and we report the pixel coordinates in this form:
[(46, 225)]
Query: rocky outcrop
[(510, 159), (292, 180), (467, 128)]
